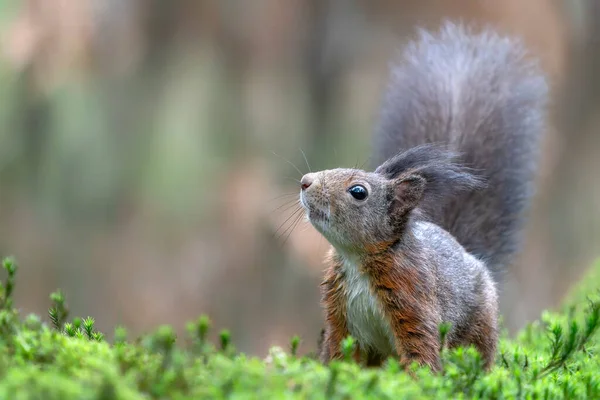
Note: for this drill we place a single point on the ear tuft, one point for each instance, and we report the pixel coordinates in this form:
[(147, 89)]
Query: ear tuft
[(408, 191), (443, 176)]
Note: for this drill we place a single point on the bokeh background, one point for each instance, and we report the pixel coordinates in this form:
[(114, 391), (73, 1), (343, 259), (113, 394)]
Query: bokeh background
[(144, 148)]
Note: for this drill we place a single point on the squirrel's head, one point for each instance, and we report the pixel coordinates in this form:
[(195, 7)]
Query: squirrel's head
[(367, 211), (355, 209)]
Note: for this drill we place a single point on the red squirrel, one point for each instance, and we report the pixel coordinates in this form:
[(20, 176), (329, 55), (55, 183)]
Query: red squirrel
[(423, 239)]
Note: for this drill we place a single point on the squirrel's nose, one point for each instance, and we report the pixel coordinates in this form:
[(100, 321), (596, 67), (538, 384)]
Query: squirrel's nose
[(306, 181)]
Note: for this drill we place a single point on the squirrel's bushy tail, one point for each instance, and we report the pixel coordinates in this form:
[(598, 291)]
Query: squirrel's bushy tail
[(478, 93)]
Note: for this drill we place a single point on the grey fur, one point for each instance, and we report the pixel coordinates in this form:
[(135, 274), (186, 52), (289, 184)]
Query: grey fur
[(465, 289), (479, 94)]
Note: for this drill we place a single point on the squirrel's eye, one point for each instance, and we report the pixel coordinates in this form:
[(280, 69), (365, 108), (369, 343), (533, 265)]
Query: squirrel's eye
[(358, 192)]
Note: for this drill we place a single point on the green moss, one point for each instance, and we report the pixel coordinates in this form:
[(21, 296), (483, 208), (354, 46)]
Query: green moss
[(555, 357)]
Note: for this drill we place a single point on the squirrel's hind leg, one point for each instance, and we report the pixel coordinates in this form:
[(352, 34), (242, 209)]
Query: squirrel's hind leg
[(483, 335), (486, 341)]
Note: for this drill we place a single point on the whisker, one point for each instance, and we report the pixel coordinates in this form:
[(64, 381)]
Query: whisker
[(354, 172), (294, 179), (306, 227), (305, 159), (281, 196), (289, 218), (296, 222), (289, 162), (365, 162), (286, 234), (296, 215), (290, 204)]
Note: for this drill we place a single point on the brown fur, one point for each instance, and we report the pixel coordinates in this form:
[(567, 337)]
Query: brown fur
[(408, 305), (334, 301)]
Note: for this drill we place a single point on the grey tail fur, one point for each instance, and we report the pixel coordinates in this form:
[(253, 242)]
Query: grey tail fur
[(478, 94)]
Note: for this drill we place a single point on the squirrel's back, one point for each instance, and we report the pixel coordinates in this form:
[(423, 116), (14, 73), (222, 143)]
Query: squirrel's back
[(477, 92)]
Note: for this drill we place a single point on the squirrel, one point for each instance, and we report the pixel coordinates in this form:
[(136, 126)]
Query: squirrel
[(424, 238)]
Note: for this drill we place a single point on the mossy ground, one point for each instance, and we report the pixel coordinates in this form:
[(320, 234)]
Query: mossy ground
[(555, 357)]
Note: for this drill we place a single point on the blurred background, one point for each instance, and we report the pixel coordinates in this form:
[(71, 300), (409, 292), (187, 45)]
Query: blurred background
[(144, 148)]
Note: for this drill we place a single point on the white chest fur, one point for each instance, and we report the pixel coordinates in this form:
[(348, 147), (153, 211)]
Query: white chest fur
[(366, 320)]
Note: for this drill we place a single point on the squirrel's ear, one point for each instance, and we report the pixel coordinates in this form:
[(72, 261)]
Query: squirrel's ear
[(408, 191)]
